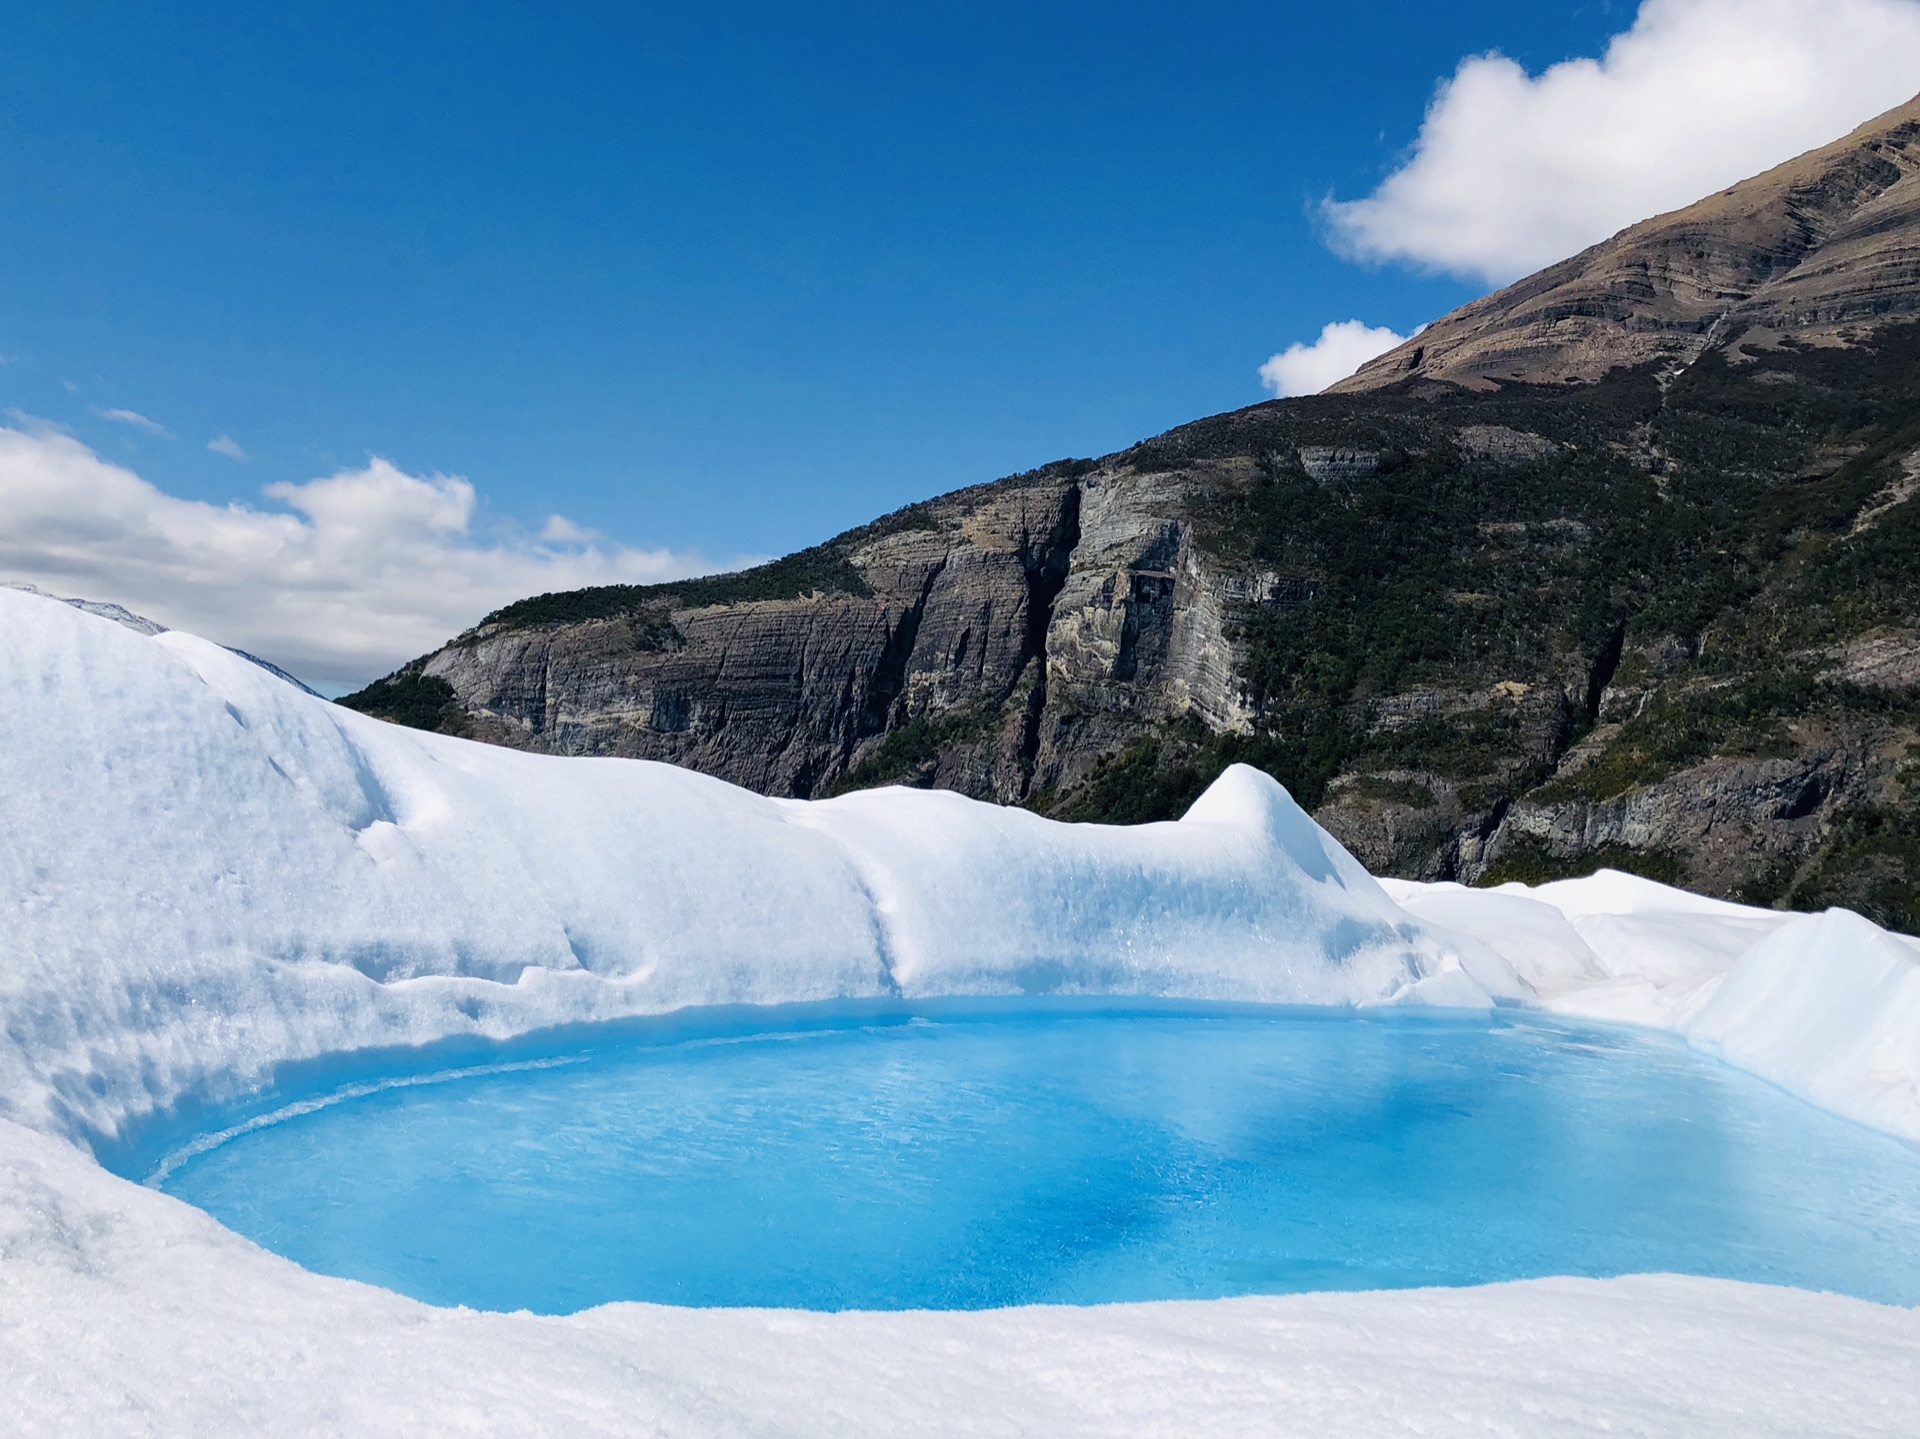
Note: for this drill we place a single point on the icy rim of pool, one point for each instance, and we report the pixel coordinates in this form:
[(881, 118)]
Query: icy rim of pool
[(148, 1151)]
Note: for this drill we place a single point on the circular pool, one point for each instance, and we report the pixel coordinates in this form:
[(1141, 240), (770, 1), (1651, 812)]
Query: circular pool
[(966, 1155)]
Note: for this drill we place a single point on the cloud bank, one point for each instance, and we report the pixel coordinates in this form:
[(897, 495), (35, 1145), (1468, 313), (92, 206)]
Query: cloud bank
[(364, 569), (1512, 171), (1342, 348)]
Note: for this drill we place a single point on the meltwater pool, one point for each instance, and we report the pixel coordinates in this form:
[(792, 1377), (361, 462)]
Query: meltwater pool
[(967, 1155)]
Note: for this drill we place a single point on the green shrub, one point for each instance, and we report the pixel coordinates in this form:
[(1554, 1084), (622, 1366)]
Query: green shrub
[(1388, 791), (408, 697), (1871, 864)]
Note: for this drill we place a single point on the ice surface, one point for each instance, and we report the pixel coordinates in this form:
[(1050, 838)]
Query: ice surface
[(208, 872), (1826, 1006), (205, 873)]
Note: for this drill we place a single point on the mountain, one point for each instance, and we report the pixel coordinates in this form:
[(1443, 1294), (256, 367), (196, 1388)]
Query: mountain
[(1812, 249), (1618, 566)]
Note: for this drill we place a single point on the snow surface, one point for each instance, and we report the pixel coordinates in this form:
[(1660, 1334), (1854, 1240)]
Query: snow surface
[(206, 872)]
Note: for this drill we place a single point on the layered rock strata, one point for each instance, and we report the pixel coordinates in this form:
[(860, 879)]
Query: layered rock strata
[(1808, 250)]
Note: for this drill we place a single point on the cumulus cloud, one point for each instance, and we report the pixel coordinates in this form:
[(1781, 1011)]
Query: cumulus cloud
[(228, 446), (363, 570), (136, 420), (1513, 171), (1342, 348)]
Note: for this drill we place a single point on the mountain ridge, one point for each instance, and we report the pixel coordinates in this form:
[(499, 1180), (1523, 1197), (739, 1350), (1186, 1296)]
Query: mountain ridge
[(1802, 249), (1666, 618)]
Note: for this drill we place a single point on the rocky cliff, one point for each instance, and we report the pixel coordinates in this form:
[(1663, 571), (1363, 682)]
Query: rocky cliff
[(1652, 601), (998, 641)]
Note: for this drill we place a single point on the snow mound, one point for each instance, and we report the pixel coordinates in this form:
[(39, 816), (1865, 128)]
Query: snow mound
[(211, 873), (1827, 1006)]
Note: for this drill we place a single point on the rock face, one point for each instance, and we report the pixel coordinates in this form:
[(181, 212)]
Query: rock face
[(990, 641), (1809, 249), (1666, 617)]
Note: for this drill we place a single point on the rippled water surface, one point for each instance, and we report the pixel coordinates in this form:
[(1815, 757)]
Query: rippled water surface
[(969, 1156)]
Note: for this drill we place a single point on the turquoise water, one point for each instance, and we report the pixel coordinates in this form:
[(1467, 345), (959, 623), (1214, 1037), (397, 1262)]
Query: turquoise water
[(990, 1154)]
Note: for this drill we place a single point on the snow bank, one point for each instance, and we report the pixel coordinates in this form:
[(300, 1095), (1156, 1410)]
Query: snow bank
[(1826, 1006), (209, 872)]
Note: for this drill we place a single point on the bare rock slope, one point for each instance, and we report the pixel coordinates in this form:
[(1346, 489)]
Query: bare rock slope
[(989, 641), (1813, 249)]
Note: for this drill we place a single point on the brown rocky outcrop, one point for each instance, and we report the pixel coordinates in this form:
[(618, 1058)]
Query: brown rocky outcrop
[(1006, 636), (1810, 249)]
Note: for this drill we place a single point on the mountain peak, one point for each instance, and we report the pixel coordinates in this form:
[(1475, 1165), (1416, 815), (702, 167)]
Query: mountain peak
[(1818, 249)]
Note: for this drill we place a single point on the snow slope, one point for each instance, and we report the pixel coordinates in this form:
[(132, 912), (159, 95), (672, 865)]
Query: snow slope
[(208, 872), (1827, 1006)]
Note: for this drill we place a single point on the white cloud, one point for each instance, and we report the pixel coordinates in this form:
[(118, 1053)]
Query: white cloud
[(559, 530), (35, 424), (1512, 172), (1342, 348), (228, 446), (137, 420), (370, 567)]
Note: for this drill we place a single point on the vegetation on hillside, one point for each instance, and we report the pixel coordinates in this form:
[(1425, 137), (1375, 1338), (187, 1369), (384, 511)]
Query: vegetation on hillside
[(1720, 514), (822, 569), (408, 697), (1698, 545)]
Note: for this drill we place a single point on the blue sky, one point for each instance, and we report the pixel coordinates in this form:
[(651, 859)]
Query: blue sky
[(726, 279), (715, 283)]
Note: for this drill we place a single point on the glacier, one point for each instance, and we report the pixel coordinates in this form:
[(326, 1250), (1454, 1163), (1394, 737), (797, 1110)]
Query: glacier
[(208, 874)]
